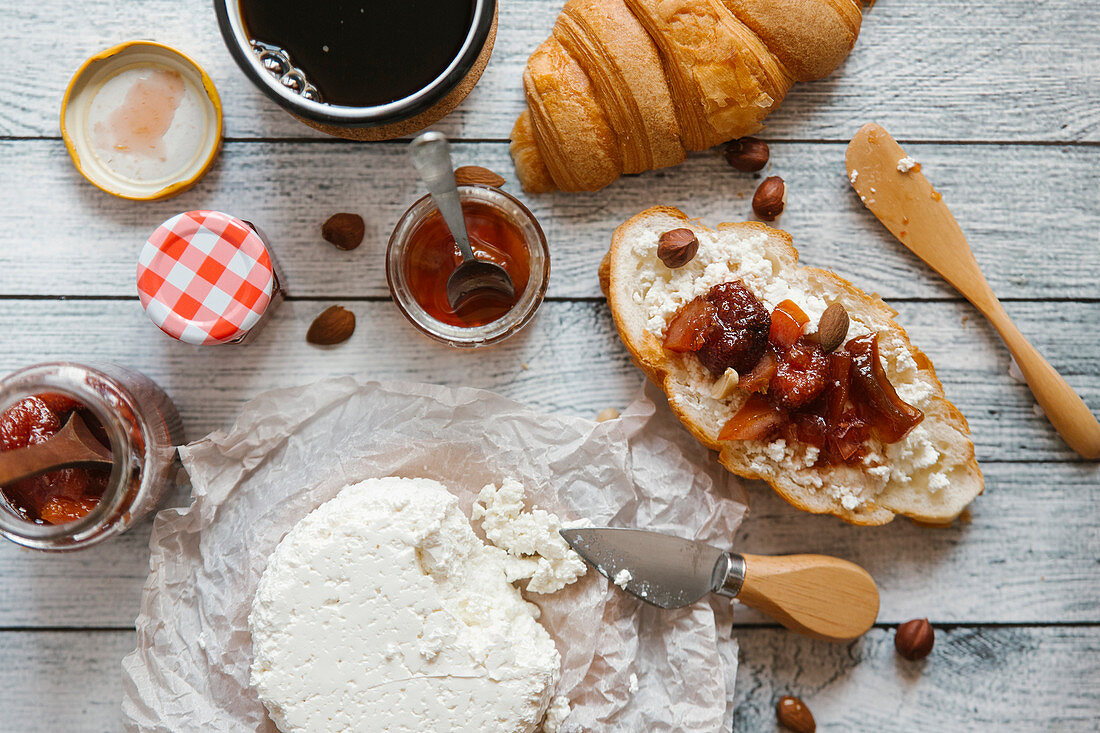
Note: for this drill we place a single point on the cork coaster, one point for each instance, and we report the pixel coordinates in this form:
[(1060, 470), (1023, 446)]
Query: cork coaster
[(426, 118)]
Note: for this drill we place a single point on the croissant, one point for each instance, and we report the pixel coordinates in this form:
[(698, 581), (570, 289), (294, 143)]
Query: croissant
[(625, 86)]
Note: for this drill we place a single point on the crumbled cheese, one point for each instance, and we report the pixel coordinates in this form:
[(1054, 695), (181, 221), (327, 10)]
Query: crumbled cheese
[(916, 392), (535, 549), (849, 498), (778, 450), (938, 482), (793, 456), (556, 715), (633, 686), (389, 565), (853, 176), (720, 259), (906, 164), (882, 472), (914, 451), (909, 382), (623, 577)]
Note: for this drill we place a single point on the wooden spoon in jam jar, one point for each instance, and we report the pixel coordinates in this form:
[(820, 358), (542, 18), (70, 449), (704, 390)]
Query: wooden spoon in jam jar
[(73, 446)]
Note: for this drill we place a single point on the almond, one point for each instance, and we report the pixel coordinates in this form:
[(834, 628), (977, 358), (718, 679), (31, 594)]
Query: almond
[(606, 414), (793, 715), (475, 175), (725, 385), (832, 329), (334, 325), (344, 230)]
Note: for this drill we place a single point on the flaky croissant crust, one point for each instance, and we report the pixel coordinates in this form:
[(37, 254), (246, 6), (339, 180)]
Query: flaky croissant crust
[(624, 86)]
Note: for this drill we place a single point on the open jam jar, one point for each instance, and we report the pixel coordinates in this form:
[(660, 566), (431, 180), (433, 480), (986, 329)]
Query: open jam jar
[(422, 254), (73, 508)]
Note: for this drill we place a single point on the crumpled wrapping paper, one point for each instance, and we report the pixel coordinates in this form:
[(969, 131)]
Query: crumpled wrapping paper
[(293, 449)]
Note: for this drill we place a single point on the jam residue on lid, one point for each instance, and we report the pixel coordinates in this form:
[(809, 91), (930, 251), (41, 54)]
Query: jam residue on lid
[(432, 256)]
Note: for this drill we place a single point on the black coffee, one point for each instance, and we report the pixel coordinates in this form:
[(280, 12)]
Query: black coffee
[(363, 52)]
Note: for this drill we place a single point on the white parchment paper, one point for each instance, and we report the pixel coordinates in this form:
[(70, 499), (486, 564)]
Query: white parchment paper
[(293, 449)]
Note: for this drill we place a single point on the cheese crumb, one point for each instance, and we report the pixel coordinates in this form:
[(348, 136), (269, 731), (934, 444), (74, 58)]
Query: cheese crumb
[(623, 577), (556, 715), (853, 176), (633, 683), (907, 164), (849, 497), (535, 549), (938, 482)]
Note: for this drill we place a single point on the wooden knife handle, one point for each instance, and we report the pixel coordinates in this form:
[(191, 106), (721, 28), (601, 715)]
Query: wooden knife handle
[(1065, 409), (816, 595)]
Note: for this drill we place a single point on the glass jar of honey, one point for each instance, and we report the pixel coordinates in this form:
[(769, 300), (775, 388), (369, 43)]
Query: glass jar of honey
[(422, 254)]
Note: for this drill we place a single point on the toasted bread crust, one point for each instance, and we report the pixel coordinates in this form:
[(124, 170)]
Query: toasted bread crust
[(662, 368)]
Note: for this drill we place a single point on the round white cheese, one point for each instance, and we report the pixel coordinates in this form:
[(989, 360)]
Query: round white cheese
[(382, 610)]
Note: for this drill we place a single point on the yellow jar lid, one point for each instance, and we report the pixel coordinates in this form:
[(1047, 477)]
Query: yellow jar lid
[(142, 121)]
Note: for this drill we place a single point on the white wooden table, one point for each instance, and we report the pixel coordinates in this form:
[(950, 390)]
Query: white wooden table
[(997, 98)]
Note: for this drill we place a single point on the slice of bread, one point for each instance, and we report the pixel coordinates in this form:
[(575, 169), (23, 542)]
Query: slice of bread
[(929, 475)]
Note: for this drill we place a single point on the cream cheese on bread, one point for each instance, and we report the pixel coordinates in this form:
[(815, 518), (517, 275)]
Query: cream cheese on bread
[(929, 475)]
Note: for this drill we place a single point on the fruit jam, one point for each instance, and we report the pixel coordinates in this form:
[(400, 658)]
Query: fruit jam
[(59, 496), (833, 401), (432, 256)]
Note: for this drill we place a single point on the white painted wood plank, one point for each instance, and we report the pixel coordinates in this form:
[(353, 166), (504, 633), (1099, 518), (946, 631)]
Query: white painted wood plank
[(1033, 233), (977, 679), (1001, 678), (570, 360), (941, 69), (63, 681)]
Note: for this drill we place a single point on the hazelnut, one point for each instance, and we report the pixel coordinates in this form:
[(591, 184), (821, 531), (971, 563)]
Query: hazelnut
[(334, 325), (793, 714), (725, 385), (748, 155), (609, 413), (914, 639), (676, 248), (770, 198), (832, 329), (344, 230)]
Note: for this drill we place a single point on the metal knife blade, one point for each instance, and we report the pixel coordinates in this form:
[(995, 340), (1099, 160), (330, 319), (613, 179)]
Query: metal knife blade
[(661, 569)]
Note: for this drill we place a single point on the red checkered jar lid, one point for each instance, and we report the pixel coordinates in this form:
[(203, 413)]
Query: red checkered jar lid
[(205, 277)]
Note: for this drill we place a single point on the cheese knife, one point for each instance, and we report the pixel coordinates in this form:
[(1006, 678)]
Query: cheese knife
[(820, 596)]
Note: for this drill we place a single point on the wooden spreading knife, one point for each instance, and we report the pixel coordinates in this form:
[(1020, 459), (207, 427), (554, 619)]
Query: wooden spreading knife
[(894, 189)]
